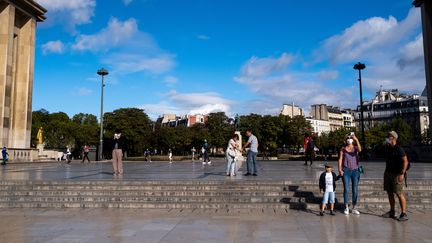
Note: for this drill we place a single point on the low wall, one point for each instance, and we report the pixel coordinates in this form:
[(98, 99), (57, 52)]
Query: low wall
[(23, 155)]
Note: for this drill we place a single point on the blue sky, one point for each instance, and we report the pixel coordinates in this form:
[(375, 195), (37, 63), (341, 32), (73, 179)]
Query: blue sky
[(236, 56)]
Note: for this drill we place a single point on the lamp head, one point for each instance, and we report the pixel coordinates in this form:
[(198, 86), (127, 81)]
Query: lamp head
[(359, 66), (102, 72)]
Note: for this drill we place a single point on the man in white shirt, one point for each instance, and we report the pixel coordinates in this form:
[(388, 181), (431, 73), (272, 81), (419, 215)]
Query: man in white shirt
[(252, 153)]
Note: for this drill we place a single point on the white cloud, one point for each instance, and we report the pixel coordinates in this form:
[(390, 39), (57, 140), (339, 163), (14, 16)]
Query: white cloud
[(328, 75), (56, 47), (188, 103), (170, 80), (412, 53), (392, 51), (259, 67), (203, 37), (69, 12), (274, 84), (365, 37), (126, 49), (83, 91), (132, 63), (116, 33), (127, 2)]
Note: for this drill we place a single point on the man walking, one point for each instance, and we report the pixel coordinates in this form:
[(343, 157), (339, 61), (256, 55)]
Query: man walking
[(206, 155), (309, 147), (396, 167), (252, 153)]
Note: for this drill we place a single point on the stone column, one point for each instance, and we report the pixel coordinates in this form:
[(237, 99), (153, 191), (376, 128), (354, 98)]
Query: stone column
[(426, 9), (7, 20), (23, 83)]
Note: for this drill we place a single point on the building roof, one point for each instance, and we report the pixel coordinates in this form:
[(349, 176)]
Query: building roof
[(32, 8)]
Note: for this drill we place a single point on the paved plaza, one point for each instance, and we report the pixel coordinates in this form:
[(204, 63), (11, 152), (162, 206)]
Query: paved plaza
[(187, 170), (201, 225)]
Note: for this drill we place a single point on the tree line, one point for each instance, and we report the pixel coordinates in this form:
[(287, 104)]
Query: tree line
[(275, 133)]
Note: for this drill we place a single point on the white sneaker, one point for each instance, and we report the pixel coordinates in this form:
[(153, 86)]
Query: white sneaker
[(209, 163), (346, 211), (355, 211), (204, 163)]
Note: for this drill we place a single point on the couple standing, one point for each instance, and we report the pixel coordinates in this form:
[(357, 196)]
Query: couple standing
[(234, 152)]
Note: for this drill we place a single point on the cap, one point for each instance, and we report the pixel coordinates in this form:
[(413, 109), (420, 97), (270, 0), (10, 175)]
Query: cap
[(328, 166), (393, 134)]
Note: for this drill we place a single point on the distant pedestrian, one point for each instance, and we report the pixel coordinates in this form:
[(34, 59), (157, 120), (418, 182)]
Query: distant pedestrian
[(147, 155), (251, 163), (348, 165), (68, 155), (86, 151), (5, 156), (193, 151), (170, 156), (327, 185), (232, 152), (206, 155), (309, 149), (117, 153), (396, 166)]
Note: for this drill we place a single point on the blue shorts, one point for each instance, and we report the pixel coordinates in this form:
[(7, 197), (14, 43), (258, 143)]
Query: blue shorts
[(329, 197)]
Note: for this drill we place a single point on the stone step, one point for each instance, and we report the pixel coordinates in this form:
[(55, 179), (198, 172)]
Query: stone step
[(232, 206), (191, 193), (195, 199), (206, 183)]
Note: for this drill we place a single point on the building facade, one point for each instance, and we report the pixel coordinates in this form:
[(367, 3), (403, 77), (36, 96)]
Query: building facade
[(337, 118), (319, 126), (171, 120), (18, 20), (389, 104), (291, 110)]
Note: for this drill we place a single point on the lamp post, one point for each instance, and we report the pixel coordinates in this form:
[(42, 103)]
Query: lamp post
[(360, 66), (102, 72)]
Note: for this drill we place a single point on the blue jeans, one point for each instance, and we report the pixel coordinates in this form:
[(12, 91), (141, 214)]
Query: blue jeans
[(231, 165), (354, 177), (251, 162), (328, 196)]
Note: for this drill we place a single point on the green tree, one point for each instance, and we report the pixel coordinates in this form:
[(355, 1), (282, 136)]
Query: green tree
[(134, 124), (86, 130), (220, 130)]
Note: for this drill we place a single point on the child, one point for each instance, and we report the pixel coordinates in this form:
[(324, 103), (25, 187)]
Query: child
[(4, 156), (327, 184)]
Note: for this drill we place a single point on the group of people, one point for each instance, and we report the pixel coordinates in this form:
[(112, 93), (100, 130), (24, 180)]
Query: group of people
[(349, 170)]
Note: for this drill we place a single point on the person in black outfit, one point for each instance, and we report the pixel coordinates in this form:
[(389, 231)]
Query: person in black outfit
[(396, 167)]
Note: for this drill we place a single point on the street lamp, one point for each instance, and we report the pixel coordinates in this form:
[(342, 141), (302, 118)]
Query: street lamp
[(102, 72), (360, 66)]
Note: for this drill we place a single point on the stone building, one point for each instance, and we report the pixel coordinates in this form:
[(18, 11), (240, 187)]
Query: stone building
[(337, 118), (291, 110), (319, 126), (389, 104), (18, 20)]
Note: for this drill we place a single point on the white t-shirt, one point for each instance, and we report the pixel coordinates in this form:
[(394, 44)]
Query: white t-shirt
[(253, 143), (329, 182)]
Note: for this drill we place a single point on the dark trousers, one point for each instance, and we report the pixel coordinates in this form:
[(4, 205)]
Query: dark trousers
[(309, 156), (85, 157)]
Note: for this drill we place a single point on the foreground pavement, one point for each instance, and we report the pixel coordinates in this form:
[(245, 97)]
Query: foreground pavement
[(108, 225), (201, 225)]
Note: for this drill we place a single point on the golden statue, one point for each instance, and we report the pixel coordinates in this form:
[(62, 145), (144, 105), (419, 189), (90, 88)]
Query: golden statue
[(39, 136)]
